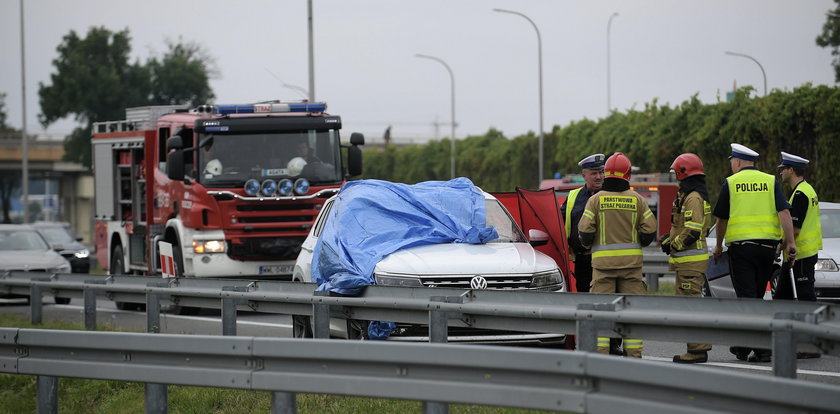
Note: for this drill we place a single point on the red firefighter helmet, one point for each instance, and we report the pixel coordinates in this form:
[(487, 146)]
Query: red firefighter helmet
[(617, 166), (686, 165)]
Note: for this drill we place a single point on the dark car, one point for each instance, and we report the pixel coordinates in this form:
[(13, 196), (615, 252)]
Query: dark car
[(62, 240)]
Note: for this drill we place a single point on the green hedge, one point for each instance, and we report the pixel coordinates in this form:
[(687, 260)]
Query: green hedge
[(805, 121)]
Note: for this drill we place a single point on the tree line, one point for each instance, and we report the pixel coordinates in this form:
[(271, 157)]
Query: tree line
[(804, 121)]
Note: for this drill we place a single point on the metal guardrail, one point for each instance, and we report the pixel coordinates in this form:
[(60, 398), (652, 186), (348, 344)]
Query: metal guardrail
[(577, 382), (784, 326)]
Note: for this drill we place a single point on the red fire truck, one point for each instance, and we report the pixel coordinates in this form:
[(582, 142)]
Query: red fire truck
[(233, 188)]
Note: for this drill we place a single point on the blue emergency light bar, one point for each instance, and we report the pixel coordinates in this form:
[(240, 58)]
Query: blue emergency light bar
[(269, 108)]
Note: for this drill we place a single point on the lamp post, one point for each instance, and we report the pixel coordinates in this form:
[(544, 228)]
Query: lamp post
[(539, 69), (609, 24), (452, 123), (756, 62), (24, 144), (311, 53)]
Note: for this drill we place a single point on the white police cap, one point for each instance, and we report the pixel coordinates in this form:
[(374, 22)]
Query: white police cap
[(790, 160), (594, 161), (742, 152)]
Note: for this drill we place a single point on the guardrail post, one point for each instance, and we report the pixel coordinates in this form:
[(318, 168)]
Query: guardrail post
[(47, 394), (652, 280), (438, 333), (90, 303), (36, 309), (587, 328), (283, 403), (156, 394), (321, 317), (784, 348), (229, 309)]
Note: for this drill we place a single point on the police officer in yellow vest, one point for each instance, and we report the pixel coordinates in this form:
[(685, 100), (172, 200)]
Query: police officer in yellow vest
[(616, 224), (751, 213), (805, 214), (691, 219), (593, 177)]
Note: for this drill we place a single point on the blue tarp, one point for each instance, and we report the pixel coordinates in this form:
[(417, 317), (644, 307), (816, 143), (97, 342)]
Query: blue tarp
[(372, 219)]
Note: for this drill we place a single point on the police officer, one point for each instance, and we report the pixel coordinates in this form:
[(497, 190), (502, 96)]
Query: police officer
[(750, 210), (691, 219), (616, 224), (805, 215), (593, 177)]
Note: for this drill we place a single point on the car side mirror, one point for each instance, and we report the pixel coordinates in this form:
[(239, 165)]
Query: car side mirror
[(357, 138), (79, 239), (537, 237), (175, 165)]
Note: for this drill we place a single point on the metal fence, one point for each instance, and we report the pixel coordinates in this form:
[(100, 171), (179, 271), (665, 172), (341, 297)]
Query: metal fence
[(576, 382), (784, 326)]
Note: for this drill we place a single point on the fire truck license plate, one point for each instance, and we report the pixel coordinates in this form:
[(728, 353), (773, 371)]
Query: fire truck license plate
[(275, 270)]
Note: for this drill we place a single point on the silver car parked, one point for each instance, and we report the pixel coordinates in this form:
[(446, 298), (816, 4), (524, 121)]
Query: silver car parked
[(827, 275)]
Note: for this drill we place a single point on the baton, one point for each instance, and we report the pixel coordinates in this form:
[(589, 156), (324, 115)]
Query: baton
[(793, 282)]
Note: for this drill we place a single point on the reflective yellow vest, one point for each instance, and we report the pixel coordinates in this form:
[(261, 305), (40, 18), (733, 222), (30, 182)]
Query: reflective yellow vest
[(570, 205), (752, 207), (809, 240)]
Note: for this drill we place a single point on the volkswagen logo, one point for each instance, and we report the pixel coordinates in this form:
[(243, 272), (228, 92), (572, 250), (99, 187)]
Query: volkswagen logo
[(478, 282)]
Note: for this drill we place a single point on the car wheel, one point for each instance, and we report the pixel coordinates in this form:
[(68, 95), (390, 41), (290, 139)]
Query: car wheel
[(774, 280), (301, 326), (61, 301), (357, 329)]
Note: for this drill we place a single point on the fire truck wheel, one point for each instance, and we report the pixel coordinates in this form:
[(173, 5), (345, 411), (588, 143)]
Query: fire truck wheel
[(301, 326), (357, 329), (117, 268)]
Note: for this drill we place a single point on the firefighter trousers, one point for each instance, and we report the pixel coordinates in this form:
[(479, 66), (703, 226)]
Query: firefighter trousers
[(619, 281), (690, 283)]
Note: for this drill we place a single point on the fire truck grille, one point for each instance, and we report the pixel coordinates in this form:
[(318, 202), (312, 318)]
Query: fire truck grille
[(266, 248), (274, 219), (502, 282)]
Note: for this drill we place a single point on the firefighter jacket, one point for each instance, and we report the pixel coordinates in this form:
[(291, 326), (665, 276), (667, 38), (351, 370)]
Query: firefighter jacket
[(691, 219), (617, 219)]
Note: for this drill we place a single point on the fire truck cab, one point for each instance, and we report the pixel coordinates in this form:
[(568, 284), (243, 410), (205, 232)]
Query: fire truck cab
[(233, 188)]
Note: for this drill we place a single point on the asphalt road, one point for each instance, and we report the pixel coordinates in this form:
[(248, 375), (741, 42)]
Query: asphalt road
[(825, 369)]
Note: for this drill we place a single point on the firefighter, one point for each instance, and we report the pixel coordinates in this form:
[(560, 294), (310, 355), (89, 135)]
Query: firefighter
[(751, 213), (691, 219), (616, 224), (593, 176)]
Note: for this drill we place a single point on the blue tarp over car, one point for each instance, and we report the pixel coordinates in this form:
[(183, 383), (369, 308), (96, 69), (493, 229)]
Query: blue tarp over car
[(371, 219)]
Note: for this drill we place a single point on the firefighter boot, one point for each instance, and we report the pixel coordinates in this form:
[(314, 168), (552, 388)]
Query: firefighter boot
[(634, 352), (692, 357)]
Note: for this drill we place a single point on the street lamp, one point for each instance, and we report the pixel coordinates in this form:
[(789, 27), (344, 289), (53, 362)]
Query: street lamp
[(452, 123), (756, 62), (609, 23), (539, 68)]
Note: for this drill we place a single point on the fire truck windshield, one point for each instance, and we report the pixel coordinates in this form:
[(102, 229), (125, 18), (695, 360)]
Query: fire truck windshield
[(228, 160)]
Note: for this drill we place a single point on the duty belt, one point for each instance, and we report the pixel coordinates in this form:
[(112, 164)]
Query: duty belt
[(743, 242)]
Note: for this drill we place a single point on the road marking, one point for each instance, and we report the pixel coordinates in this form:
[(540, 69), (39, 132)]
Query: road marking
[(752, 367)]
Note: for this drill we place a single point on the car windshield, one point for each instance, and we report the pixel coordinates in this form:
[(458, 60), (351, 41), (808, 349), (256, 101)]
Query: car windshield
[(830, 223), (11, 240), (56, 235), (228, 160), (498, 218)]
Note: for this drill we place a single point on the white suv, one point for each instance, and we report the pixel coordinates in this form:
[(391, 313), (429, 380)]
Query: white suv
[(508, 262)]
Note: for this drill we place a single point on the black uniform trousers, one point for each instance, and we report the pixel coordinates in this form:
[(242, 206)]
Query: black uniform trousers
[(752, 267), (803, 272), (583, 272)]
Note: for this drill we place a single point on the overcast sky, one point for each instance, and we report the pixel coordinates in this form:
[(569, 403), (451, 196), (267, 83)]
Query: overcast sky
[(367, 72)]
